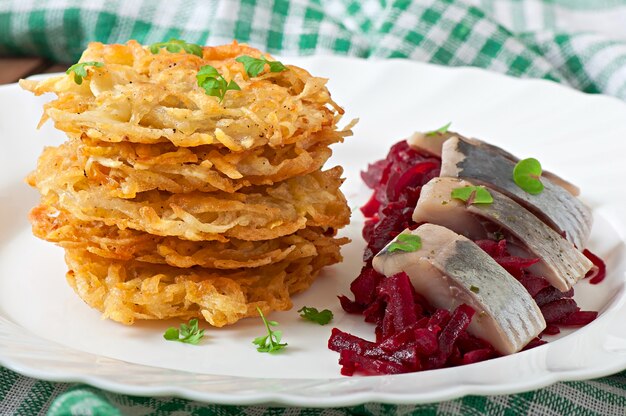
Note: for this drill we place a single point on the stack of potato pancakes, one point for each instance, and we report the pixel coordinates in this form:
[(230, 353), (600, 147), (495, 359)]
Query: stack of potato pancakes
[(171, 202)]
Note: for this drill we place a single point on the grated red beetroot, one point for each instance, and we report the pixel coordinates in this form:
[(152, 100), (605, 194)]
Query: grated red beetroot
[(534, 343), (412, 335), (364, 290), (397, 293), (551, 330), (534, 284), (579, 318), (477, 355), (374, 173), (598, 273), (426, 340), (351, 362), (558, 309), (397, 182), (424, 344), (551, 294), (457, 325)]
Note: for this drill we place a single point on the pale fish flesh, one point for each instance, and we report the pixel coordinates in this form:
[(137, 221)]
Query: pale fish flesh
[(559, 261), (450, 270), (554, 205)]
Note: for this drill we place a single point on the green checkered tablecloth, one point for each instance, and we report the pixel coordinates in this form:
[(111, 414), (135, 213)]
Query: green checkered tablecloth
[(581, 43)]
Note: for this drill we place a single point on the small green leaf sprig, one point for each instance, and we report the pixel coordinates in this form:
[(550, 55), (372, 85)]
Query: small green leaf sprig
[(188, 333), (440, 130), (527, 174), (214, 83), (254, 66), (80, 70), (270, 342), (176, 45), (472, 195), (405, 242), (313, 315)]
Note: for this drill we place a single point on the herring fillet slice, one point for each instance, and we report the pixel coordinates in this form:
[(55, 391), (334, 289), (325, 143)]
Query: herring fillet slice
[(554, 205), (433, 144), (449, 270), (560, 262)]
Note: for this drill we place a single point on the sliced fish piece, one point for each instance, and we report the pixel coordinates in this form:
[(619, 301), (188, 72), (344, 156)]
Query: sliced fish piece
[(554, 205), (430, 144), (560, 262), (433, 144), (450, 270)]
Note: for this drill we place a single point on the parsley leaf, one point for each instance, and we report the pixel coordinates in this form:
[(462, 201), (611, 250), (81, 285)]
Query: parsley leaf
[(171, 334), (254, 66), (188, 333), (80, 70), (440, 130), (472, 195), (474, 289), (526, 175), (405, 242), (312, 314), (176, 45), (213, 83), (271, 342)]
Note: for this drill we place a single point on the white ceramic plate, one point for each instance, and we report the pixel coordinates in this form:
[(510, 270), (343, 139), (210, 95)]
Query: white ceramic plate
[(47, 332)]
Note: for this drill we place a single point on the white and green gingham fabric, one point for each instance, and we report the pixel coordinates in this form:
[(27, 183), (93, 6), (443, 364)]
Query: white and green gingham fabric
[(581, 43)]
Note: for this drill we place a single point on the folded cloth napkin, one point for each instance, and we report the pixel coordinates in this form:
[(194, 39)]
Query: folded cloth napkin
[(575, 42), (24, 396)]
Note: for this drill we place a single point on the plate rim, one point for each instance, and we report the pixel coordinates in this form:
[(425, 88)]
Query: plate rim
[(291, 399)]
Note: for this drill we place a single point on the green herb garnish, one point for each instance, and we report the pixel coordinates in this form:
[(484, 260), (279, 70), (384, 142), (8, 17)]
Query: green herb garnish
[(176, 45), (80, 70), (472, 195), (213, 83), (440, 130), (271, 342), (312, 314), (254, 66), (405, 242), (526, 175), (188, 333), (474, 289)]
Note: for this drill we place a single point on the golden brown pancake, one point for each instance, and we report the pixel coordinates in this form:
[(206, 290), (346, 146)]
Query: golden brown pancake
[(113, 243), (259, 213), (171, 203), (142, 97), (126, 291)]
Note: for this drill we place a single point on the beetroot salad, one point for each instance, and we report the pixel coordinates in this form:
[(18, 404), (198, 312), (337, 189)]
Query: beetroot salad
[(410, 333)]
